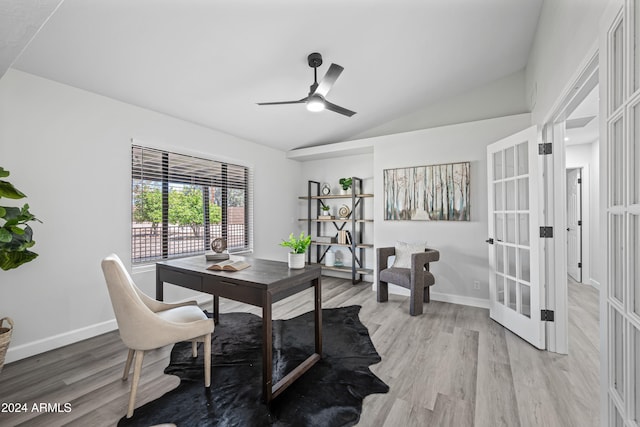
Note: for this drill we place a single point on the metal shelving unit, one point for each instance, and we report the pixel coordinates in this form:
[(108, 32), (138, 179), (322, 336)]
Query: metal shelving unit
[(354, 223)]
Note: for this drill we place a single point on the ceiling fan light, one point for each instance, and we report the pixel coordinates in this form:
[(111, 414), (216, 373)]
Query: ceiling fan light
[(315, 103)]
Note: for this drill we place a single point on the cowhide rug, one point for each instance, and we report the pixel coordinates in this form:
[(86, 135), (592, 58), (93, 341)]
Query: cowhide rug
[(329, 394)]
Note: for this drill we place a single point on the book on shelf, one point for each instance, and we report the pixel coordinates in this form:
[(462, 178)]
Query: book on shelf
[(215, 256), (325, 217), (229, 265), (344, 237)]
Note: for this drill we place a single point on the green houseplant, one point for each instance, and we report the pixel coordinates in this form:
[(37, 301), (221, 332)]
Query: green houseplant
[(298, 246), (16, 236), (345, 184)]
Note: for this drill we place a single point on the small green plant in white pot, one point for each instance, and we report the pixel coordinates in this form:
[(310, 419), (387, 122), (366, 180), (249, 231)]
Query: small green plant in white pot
[(345, 185), (298, 246)]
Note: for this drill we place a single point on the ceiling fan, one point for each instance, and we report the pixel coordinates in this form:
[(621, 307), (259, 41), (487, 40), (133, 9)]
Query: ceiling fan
[(316, 100)]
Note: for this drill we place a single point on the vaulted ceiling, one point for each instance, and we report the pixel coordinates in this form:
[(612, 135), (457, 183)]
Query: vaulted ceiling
[(209, 62)]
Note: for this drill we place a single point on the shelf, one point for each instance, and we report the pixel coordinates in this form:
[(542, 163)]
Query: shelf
[(346, 269), (354, 223), (335, 196), (346, 245)]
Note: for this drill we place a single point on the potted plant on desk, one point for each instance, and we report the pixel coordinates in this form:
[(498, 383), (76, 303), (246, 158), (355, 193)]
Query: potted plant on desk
[(298, 246)]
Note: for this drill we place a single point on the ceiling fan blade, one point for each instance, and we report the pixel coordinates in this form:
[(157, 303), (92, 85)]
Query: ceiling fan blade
[(329, 79), (337, 109), (301, 101)]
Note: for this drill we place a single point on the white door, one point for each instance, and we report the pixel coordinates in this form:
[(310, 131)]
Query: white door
[(515, 291), (574, 224), (620, 207)]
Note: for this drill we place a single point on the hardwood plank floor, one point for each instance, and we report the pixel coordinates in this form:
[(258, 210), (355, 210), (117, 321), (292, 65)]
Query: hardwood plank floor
[(452, 366)]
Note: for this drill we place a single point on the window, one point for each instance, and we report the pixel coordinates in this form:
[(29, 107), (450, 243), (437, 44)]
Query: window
[(180, 203)]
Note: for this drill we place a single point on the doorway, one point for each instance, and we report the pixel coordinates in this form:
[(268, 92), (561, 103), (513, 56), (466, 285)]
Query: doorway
[(574, 223)]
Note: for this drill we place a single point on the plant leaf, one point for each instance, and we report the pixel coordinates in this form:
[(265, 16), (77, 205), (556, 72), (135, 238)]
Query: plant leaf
[(5, 235), (9, 260), (3, 172), (9, 191)]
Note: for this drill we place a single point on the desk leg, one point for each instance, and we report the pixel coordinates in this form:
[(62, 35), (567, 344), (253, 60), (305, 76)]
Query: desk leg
[(317, 285), (159, 285), (216, 309), (267, 349)]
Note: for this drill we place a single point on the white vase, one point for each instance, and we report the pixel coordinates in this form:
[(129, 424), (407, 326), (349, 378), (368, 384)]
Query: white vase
[(296, 260)]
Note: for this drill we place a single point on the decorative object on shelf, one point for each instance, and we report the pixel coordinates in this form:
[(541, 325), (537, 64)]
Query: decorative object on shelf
[(325, 239), (298, 246), (344, 212), (325, 212), (5, 338), (329, 258), (345, 185), (16, 236), (326, 189), (442, 192)]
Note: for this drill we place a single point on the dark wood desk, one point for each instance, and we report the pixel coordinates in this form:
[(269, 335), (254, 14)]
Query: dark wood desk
[(262, 284)]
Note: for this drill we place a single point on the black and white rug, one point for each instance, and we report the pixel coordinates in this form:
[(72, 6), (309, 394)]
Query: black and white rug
[(329, 394)]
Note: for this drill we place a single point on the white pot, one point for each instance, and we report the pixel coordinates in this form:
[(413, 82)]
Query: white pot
[(296, 260)]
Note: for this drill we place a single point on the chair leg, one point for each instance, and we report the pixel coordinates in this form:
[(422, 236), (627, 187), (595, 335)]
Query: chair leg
[(137, 367), (127, 365), (194, 348), (207, 360), (415, 303), (427, 296), (383, 291)]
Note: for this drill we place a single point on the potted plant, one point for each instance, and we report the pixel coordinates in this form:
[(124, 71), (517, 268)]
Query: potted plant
[(16, 237), (298, 246), (325, 209), (345, 185)]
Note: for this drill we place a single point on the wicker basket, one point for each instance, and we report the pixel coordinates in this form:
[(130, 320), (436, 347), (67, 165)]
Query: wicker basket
[(5, 338)]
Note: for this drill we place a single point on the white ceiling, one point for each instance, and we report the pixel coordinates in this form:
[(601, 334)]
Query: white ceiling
[(210, 61)]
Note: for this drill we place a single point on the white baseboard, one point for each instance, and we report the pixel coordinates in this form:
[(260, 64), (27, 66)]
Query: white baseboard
[(442, 297), (23, 351), (50, 343), (460, 299), (594, 283)]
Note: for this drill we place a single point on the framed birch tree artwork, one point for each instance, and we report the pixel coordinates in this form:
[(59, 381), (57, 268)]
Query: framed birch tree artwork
[(428, 193)]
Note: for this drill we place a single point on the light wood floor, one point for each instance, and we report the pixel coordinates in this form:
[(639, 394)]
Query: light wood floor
[(452, 366)]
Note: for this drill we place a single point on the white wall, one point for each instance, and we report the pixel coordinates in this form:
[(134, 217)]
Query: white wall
[(586, 156), (462, 246), (566, 36), (69, 151)]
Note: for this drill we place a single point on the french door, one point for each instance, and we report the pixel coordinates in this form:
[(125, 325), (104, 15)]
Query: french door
[(514, 281), (620, 208)]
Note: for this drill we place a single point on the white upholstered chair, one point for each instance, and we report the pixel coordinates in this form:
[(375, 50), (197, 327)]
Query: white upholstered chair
[(147, 324)]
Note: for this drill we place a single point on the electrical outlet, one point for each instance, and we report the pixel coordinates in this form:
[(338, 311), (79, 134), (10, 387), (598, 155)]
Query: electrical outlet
[(476, 284)]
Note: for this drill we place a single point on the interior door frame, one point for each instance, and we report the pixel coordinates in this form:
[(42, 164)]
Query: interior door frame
[(554, 167)]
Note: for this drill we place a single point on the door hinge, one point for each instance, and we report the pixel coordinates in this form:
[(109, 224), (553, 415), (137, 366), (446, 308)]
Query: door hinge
[(579, 265), (546, 315), (546, 232), (544, 148), (579, 223), (489, 240), (579, 180)]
